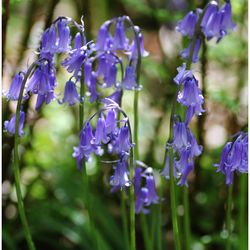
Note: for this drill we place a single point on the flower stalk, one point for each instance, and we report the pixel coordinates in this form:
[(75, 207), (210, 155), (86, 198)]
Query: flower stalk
[(22, 214)]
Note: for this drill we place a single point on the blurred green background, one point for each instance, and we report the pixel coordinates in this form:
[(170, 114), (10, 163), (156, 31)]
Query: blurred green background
[(52, 186)]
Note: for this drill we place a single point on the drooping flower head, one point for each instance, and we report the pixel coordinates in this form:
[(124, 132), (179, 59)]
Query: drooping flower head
[(10, 125), (15, 87)]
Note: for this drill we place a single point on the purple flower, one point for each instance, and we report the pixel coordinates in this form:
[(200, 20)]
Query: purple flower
[(104, 39), (87, 72), (193, 110), (152, 197), (227, 22), (15, 87), (140, 200), (211, 9), (100, 133), (123, 144), (129, 81), (110, 78), (187, 25), (74, 62), (120, 41), (191, 94), (183, 74), (64, 36), (86, 146), (48, 44), (10, 125), (234, 157), (185, 165), (120, 178), (166, 171), (70, 93), (180, 135), (111, 122), (43, 80), (137, 180), (185, 54), (92, 89), (47, 98), (196, 149), (78, 43)]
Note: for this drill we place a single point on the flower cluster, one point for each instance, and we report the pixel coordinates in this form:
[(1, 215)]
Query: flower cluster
[(96, 63), (145, 195), (210, 22), (234, 157)]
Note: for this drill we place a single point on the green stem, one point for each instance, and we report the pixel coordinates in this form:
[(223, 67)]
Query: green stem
[(243, 212), (124, 220), (16, 164), (229, 215), (173, 202), (145, 233), (159, 232), (186, 218)]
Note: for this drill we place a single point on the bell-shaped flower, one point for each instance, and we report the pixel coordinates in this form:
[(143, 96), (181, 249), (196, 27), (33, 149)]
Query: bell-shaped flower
[(166, 171), (120, 41), (47, 98), (87, 72), (180, 135), (129, 81), (70, 94), (92, 89), (100, 133), (152, 196), (74, 61), (187, 25), (111, 122), (114, 97), (43, 80), (123, 144), (191, 94), (140, 200), (104, 38), (211, 9), (137, 180), (64, 37), (227, 22), (78, 43), (120, 178), (183, 74), (15, 87), (10, 125), (48, 44)]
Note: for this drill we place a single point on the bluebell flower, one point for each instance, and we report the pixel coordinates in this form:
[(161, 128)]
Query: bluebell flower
[(183, 74), (187, 25), (185, 54), (196, 149), (120, 41), (64, 37), (110, 78), (15, 87), (86, 146), (48, 44), (43, 80), (191, 94), (211, 9), (78, 43), (100, 133), (87, 72), (120, 178), (193, 110), (180, 135), (123, 144), (10, 125), (140, 200), (110, 122), (74, 62), (152, 196), (185, 165), (70, 93), (129, 81), (234, 157), (104, 38), (227, 22), (44, 98), (92, 89)]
